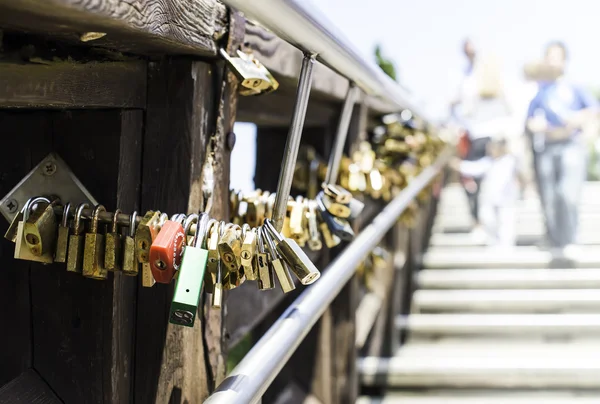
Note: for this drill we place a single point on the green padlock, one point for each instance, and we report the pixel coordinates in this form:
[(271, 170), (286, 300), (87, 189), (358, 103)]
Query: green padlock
[(191, 275)]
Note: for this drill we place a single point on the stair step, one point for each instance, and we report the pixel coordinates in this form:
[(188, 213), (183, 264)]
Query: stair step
[(485, 367), (500, 324), (465, 240), (519, 257), (507, 300), (482, 397), (509, 278)]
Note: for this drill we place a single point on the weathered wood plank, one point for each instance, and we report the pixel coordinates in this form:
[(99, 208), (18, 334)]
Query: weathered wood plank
[(140, 27), (27, 388), (76, 345), (173, 361), (20, 130), (73, 85)]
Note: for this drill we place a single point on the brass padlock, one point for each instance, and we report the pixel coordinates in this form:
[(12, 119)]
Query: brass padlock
[(254, 77), (22, 250), (93, 250), (62, 239), (76, 242), (112, 249), (130, 263), (39, 229)]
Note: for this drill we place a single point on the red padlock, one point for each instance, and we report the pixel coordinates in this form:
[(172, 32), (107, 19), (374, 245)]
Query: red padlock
[(167, 249)]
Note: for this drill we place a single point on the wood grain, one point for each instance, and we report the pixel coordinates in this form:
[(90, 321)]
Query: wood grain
[(73, 85), (141, 27), (172, 362), (27, 388)]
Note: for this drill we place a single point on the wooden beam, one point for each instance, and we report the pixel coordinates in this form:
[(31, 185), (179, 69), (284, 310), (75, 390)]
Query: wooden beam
[(140, 27), (73, 85), (28, 388)]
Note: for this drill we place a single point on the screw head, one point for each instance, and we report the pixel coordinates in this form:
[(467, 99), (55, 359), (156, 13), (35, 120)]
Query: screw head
[(12, 205), (230, 141), (49, 168)]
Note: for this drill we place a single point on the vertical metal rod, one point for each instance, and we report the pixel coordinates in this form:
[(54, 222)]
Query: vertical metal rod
[(342, 133), (292, 144)]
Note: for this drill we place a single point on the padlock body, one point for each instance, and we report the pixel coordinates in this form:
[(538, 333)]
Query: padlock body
[(130, 263), (298, 261), (40, 232), (166, 250), (356, 207), (93, 257), (147, 278), (247, 256), (23, 252), (112, 251), (11, 233), (75, 254), (265, 273), (339, 227), (230, 247), (283, 276), (62, 244), (145, 234), (331, 240), (188, 286), (335, 208)]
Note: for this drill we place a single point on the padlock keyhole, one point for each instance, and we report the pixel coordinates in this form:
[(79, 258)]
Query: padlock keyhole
[(32, 239)]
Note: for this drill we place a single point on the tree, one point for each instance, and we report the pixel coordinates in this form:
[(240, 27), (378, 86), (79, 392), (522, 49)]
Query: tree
[(385, 64)]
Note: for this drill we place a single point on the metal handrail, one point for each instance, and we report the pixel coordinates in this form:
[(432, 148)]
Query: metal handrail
[(252, 376), (311, 32)]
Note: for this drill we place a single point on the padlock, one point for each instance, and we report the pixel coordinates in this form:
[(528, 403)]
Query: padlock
[(22, 250), (130, 263), (112, 249), (339, 227), (301, 265), (280, 268), (76, 242), (146, 232), (314, 238), (254, 77), (93, 250), (230, 247), (335, 208), (265, 271), (166, 250), (248, 252), (62, 238), (39, 229), (191, 274)]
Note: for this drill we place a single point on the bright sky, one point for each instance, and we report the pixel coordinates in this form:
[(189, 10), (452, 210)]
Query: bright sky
[(423, 37)]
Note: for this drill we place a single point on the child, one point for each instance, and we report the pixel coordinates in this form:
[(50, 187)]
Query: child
[(499, 190)]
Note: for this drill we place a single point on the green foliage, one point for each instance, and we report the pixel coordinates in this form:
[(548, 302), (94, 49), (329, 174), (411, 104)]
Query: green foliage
[(385, 64), (239, 351)]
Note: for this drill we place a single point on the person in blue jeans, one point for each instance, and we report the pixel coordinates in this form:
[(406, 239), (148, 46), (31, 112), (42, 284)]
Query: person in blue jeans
[(556, 117)]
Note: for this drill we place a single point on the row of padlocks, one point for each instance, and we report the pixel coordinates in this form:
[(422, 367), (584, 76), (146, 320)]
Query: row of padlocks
[(266, 233)]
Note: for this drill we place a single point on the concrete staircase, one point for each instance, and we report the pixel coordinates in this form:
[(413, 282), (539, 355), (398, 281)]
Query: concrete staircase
[(491, 327)]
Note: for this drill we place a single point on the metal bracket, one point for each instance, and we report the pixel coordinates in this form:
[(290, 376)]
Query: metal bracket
[(51, 177)]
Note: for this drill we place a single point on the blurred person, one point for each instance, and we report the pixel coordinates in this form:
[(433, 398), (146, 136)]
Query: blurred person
[(501, 178), (556, 117), (480, 108)]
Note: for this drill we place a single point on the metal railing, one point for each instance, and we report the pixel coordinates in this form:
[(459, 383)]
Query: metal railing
[(311, 32), (252, 376)]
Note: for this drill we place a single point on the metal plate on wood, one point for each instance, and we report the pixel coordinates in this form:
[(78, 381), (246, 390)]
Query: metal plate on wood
[(51, 177)]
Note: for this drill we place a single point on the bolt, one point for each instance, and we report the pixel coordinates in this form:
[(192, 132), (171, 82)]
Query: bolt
[(230, 141), (49, 168), (12, 205)]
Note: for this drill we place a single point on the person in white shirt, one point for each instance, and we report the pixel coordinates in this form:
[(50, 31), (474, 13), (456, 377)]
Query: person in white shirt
[(501, 178)]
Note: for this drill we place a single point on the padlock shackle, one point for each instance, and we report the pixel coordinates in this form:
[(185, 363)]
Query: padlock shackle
[(65, 218), (77, 221), (268, 225), (333, 166), (292, 144), (95, 214), (132, 224), (29, 204), (114, 226)]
